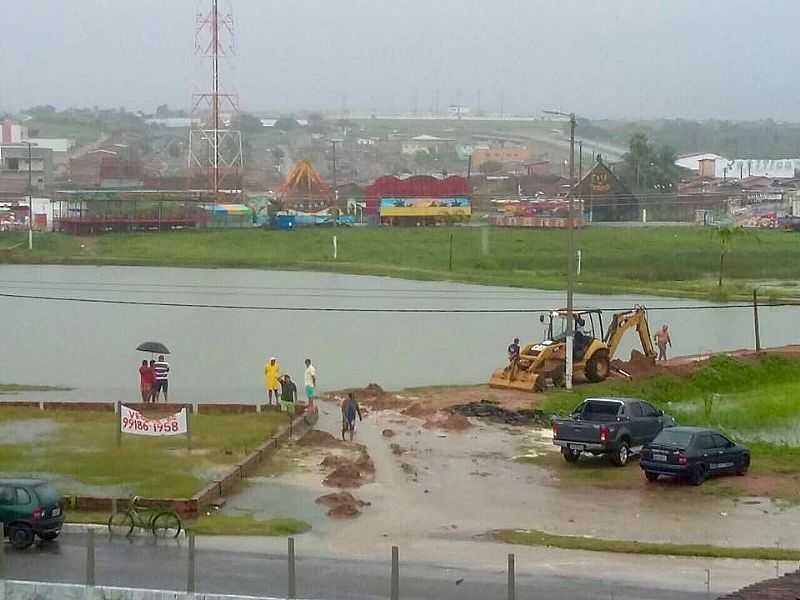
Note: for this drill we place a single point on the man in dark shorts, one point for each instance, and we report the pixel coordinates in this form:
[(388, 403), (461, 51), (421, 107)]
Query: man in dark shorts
[(350, 409), (162, 378)]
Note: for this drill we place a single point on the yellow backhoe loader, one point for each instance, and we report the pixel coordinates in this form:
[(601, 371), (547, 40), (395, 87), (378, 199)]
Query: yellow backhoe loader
[(593, 349)]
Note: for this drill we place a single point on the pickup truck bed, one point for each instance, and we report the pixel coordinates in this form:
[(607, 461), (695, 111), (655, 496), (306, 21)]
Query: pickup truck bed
[(618, 427)]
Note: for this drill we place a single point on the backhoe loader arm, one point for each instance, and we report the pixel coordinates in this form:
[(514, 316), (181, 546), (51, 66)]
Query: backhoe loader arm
[(637, 318)]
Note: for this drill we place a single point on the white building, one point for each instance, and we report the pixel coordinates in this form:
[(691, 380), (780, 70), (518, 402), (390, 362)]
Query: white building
[(425, 143)]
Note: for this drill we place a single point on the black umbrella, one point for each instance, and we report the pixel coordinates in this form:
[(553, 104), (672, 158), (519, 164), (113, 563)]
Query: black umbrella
[(154, 347)]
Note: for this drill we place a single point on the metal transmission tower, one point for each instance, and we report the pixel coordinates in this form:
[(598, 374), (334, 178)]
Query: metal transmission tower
[(214, 147)]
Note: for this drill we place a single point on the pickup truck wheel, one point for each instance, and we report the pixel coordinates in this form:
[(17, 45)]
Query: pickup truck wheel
[(651, 476), (569, 455), (697, 475), (743, 466), (622, 454), (20, 536), (598, 367)]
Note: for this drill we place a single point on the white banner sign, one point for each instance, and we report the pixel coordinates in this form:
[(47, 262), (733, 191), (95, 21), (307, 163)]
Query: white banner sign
[(136, 423)]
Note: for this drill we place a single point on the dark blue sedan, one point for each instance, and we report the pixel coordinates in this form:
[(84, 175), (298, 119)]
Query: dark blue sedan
[(693, 453)]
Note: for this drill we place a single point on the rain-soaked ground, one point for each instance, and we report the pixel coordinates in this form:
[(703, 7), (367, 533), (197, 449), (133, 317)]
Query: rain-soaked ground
[(434, 485)]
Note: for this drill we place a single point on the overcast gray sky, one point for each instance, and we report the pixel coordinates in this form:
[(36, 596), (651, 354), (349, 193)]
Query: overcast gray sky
[(734, 59)]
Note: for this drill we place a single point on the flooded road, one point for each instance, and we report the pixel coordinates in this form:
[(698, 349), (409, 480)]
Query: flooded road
[(218, 354)]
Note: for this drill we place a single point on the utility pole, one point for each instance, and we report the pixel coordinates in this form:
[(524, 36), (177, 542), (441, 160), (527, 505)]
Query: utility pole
[(30, 198), (580, 160), (335, 186), (570, 246)]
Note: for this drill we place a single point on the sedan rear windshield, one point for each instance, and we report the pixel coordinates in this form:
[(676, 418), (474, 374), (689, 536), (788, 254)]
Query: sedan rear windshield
[(670, 437), (47, 495), (598, 409)]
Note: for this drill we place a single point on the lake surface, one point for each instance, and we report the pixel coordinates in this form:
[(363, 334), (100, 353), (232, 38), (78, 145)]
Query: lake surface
[(218, 354)]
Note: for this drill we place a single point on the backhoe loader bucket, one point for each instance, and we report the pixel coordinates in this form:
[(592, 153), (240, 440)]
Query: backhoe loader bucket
[(521, 380)]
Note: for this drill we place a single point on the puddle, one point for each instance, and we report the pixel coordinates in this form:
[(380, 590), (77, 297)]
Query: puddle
[(27, 431)]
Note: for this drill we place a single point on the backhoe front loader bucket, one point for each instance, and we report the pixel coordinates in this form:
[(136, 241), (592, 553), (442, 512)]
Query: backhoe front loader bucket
[(519, 380)]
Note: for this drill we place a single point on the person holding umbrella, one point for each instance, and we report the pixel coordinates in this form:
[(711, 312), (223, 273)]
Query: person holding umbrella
[(158, 376)]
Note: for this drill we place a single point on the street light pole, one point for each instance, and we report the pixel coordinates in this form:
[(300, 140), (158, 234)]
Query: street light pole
[(570, 249), (30, 199)]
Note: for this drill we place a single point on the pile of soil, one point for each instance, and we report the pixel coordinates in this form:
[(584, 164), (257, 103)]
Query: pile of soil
[(342, 505), (418, 411), (334, 461), (388, 433), (316, 437), (486, 409), (448, 422), (345, 476), (638, 366)]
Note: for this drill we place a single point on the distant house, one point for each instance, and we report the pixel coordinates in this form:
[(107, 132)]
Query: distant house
[(18, 162), (605, 197), (429, 144)]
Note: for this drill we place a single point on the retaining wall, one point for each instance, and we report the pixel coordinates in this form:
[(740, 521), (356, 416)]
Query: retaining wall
[(29, 590)]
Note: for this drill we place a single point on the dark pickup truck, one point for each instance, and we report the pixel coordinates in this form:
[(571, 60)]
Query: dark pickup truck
[(618, 427)]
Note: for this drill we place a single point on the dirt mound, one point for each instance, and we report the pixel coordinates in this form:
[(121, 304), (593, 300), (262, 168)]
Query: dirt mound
[(418, 410), (334, 461), (344, 476), (638, 366), (342, 505), (486, 409), (365, 465), (448, 422), (315, 437), (388, 433)]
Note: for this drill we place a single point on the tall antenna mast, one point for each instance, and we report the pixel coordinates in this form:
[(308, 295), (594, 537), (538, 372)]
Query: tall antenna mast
[(213, 146)]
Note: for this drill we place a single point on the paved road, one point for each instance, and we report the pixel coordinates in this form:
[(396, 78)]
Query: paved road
[(143, 563)]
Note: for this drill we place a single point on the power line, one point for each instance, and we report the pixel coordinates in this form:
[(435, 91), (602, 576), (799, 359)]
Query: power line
[(371, 310)]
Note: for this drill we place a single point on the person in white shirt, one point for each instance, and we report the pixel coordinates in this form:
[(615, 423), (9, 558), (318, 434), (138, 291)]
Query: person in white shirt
[(310, 381)]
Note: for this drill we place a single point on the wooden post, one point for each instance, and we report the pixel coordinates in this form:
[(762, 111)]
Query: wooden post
[(450, 265), (512, 583), (755, 319), (90, 557), (118, 420), (395, 589), (188, 429), (292, 591)]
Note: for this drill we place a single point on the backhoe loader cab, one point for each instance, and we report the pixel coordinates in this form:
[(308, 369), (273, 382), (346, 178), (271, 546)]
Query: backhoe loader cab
[(592, 351)]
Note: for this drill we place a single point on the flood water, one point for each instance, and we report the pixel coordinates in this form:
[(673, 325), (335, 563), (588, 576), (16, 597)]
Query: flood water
[(218, 354)]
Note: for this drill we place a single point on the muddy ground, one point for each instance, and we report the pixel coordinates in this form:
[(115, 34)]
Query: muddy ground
[(438, 475)]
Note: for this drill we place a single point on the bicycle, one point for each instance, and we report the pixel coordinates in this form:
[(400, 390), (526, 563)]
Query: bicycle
[(162, 523)]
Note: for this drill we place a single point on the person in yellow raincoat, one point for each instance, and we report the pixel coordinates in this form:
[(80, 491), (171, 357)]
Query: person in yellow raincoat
[(272, 374)]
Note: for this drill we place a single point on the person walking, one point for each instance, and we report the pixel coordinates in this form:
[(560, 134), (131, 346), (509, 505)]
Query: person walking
[(661, 338), (145, 381), (350, 409), (162, 378), (310, 382), (272, 377)]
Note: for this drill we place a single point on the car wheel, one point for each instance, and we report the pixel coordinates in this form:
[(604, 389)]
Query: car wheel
[(598, 367), (623, 453), (570, 456), (49, 537), (743, 466), (697, 475), (651, 476), (21, 536)]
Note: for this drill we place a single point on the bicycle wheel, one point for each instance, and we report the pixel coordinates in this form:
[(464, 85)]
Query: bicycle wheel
[(120, 523), (166, 525)]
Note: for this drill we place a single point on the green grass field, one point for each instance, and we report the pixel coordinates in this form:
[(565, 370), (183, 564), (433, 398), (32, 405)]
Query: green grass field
[(77, 451), (650, 260), (532, 537)]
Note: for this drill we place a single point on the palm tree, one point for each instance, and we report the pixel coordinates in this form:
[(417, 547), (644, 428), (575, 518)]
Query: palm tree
[(726, 235)]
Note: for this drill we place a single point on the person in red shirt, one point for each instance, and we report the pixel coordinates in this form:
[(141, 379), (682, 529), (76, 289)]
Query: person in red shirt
[(146, 376)]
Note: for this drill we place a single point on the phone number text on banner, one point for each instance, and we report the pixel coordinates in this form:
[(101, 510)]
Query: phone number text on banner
[(134, 422)]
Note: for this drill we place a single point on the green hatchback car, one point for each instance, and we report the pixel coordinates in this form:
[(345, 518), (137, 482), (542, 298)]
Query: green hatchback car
[(30, 508)]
